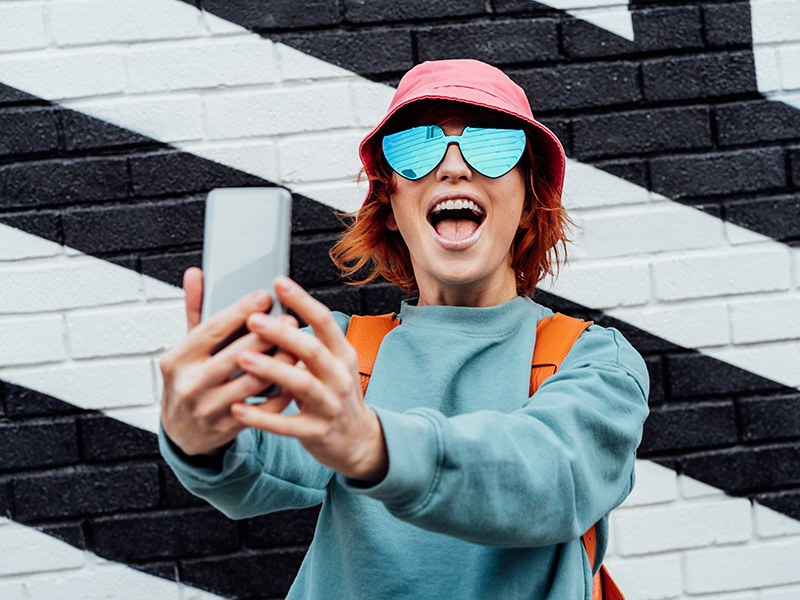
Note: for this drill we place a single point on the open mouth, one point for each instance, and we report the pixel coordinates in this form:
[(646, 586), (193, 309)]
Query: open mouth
[(456, 220)]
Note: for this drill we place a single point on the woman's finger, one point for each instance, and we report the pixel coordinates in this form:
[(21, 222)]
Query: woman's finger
[(313, 312), (298, 425), (319, 360), (193, 289)]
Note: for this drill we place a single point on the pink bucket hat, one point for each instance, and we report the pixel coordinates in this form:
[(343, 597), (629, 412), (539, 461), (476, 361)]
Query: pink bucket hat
[(470, 82)]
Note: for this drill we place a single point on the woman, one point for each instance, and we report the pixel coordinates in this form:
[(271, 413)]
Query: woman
[(448, 481)]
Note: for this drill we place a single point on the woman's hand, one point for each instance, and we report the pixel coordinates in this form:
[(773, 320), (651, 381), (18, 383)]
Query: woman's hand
[(198, 391), (333, 424)]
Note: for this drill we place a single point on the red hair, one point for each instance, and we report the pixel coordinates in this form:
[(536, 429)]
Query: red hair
[(368, 249)]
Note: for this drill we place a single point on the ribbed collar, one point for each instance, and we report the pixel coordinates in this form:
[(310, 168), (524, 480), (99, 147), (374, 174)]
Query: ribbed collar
[(490, 320)]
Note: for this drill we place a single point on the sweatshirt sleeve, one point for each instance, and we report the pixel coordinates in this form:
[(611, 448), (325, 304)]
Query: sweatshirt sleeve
[(540, 475), (258, 474)]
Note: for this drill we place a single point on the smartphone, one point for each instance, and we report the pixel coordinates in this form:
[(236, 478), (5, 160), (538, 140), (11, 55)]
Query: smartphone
[(245, 246)]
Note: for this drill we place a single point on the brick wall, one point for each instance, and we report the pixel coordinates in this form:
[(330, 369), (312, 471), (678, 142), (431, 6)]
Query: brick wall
[(681, 120)]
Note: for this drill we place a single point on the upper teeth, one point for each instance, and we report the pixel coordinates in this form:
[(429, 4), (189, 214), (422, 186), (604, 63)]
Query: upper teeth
[(457, 205)]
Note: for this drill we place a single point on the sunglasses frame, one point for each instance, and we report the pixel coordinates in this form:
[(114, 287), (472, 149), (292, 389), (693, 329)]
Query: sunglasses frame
[(517, 135)]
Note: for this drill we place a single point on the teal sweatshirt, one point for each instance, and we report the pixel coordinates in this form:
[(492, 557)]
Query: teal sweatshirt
[(488, 491)]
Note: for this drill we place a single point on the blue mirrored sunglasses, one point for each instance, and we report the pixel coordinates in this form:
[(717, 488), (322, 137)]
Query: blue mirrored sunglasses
[(415, 152)]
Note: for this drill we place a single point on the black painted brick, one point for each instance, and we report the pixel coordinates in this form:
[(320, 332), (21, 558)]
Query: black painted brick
[(381, 298), (579, 86), (655, 372), (174, 172), (164, 570), (82, 132), (700, 76), (164, 535), (104, 439), (503, 7), (175, 494), (86, 491), (561, 127), (27, 131), (310, 263), (794, 156), (286, 528), (364, 52), (635, 171), (754, 122), (42, 223), (727, 24), (692, 375), (643, 341), (744, 470), (71, 533), (23, 402), (344, 298), (267, 574), (61, 182), (365, 11), (786, 502), (150, 225), (5, 498), (640, 132), (778, 217), (10, 95), (686, 427), (38, 444), (719, 174), (770, 418), (170, 267), (275, 15), (673, 28), (310, 215), (495, 42)]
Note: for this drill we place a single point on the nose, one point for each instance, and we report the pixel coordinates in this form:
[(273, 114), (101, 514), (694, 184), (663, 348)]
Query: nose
[(453, 165)]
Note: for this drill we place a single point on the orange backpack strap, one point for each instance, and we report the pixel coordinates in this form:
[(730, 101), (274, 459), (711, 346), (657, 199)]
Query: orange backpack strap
[(554, 338), (366, 334)]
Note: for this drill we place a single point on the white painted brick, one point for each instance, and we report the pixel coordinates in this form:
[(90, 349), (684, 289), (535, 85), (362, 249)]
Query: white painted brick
[(297, 65), (32, 340), (743, 567), (174, 118), (81, 22), (647, 578), (749, 595), (63, 284), (633, 231), (13, 591), (344, 196), (26, 550), (768, 75), (205, 64), (695, 324), (371, 100), (737, 235), (654, 485), (125, 330), (142, 417), (188, 593), (62, 75), (587, 187), (692, 489), (774, 360), (783, 593), (16, 244), (775, 20), (315, 158), (91, 385), (789, 61), (22, 26), (682, 525), (218, 26), (155, 289), (103, 582), (317, 107), (719, 273), (604, 284), (765, 319), (256, 157), (770, 523)]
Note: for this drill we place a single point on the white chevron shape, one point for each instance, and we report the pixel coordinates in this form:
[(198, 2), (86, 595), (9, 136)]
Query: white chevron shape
[(611, 15)]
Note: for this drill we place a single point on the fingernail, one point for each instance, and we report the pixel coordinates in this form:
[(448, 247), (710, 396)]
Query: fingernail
[(261, 297), (239, 409), (284, 283), (247, 358), (259, 320)]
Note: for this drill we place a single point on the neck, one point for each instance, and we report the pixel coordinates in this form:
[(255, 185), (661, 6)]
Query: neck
[(476, 294)]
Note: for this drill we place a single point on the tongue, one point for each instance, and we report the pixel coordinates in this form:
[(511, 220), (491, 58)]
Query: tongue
[(456, 230)]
